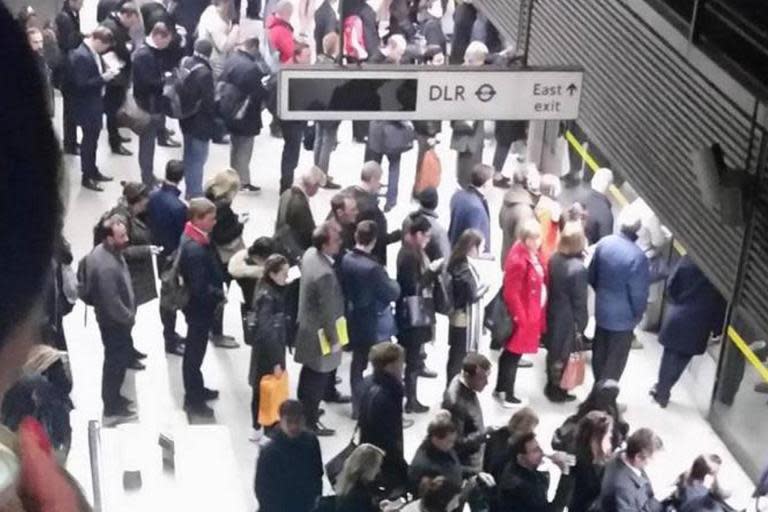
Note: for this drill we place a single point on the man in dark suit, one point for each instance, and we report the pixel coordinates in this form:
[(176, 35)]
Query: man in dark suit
[(88, 77), (69, 37), (120, 21), (469, 207), (295, 224), (626, 487), (326, 21)]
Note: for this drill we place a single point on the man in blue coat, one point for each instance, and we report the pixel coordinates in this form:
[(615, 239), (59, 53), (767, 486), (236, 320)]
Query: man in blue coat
[(695, 310), (620, 276), (368, 291), (88, 76), (469, 207), (167, 215)]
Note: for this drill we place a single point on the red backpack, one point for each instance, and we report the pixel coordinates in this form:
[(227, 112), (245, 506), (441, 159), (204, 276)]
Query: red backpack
[(354, 38)]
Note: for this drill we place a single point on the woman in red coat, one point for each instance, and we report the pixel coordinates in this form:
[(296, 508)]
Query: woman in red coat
[(525, 298)]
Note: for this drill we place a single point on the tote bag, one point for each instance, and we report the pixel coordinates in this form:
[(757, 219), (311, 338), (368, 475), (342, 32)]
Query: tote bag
[(273, 391)]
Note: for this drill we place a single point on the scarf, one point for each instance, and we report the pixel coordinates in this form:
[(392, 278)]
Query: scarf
[(194, 233)]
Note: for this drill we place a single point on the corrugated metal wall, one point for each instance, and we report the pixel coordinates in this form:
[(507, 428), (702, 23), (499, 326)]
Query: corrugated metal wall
[(647, 109)]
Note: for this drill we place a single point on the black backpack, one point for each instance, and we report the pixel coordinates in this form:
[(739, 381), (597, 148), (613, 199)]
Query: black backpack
[(83, 288), (180, 93), (442, 293)]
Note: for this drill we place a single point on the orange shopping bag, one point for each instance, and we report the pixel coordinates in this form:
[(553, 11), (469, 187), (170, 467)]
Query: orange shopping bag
[(273, 391), (428, 175)]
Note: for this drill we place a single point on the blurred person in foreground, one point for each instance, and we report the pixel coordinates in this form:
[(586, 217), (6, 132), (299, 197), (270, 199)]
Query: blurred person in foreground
[(30, 158)]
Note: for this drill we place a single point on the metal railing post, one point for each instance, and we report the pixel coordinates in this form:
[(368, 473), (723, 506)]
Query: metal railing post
[(94, 446)]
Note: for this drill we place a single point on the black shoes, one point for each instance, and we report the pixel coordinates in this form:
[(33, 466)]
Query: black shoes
[(139, 355), (525, 363), (557, 395), (221, 140), (72, 150), (122, 151), (102, 178), (120, 412), (175, 349), (415, 407), (137, 365), (250, 188), (210, 394), (224, 341), (338, 398), (426, 373), (663, 402), (199, 409), (168, 142), (124, 140), (331, 185), (321, 430), (90, 184)]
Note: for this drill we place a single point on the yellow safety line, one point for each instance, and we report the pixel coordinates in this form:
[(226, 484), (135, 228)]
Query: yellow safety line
[(733, 335)]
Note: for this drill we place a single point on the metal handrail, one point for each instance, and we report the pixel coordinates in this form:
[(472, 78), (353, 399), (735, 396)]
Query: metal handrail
[(94, 446)]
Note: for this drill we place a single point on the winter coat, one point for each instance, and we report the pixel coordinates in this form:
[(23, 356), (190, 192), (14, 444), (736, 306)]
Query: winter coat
[(390, 137), (295, 223), (361, 498), (431, 462), (566, 304), (321, 305), (515, 210), (465, 285), (439, 246), (507, 132), (289, 473), (148, 78), (68, 37), (138, 254), (87, 87), (413, 276), (280, 34), (522, 490), (523, 298), (200, 268), (188, 13), (622, 490), (367, 290), (245, 72), (469, 210), (587, 477), (166, 216), (218, 31), (694, 311), (467, 136), (109, 286), (620, 276), (270, 331), (380, 421), (202, 124), (326, 21), (246, 272), (599, 216), (467, 415), (368, 209), (228, 231)]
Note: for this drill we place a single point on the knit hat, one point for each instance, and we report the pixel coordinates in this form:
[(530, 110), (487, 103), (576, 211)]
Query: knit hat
[(428, 198), (133, 192)]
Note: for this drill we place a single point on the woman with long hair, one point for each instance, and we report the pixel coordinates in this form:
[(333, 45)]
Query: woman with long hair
[(593, 447), (698, 488), (465, 291), (497, 447), (566, 307), (355, 489), (268, 326)]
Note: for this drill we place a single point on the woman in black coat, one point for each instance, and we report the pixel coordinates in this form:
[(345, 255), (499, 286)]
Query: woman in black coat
[(566, 307), (695, 310), (592, 447), (415, 280), (466, 285), (268, 327)]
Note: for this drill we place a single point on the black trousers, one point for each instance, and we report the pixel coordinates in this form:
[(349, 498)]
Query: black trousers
[(117, 356), (198, 327), (610, 352), (457, 351), (114, 96), (69, 127), (463, 20), (312, 385), (293, 134), (505, 381), (88, 148), (360, 130), (356, 369), (411, 342), (672, 366), (167, 316)]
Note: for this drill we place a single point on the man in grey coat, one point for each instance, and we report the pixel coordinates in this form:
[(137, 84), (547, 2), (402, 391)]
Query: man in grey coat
[(625, 486), (321, 322), (515, 210), (107, 287)]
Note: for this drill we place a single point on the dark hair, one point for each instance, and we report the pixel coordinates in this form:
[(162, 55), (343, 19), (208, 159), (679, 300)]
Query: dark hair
[(702, 466), (469, 238), (473, 361), (160, 28), (366, 233), (252, 44), (419, 224), (520, 446), (441, 427), (480, 174), (104, 35), (127, 7), (321, 235), (30, 160), (338, 201), (437, 493), (274, 263), (642, 440), (592, 427), (107, 225), (385, 353), (291, 410), (263, 247), (428, 198), (174, 171)]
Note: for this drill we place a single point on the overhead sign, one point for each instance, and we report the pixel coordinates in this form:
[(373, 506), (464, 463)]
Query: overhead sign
[(429, 93)]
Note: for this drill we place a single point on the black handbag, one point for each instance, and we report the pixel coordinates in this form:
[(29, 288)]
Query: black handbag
[(416, 311), (498, 321), (334, 466)]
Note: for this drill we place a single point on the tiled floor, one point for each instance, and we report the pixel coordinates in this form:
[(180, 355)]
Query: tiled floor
[(215, 463)]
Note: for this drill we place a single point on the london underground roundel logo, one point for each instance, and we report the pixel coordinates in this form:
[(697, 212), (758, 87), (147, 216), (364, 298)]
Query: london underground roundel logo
[(485, 93)]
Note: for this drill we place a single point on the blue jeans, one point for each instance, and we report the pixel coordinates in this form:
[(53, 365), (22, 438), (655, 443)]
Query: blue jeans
[(393, 179), (195, 156)]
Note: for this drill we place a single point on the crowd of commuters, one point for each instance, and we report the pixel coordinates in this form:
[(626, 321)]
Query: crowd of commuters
[(323, 288)]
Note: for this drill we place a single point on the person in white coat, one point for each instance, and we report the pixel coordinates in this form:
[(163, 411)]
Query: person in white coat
[(216, 26)]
